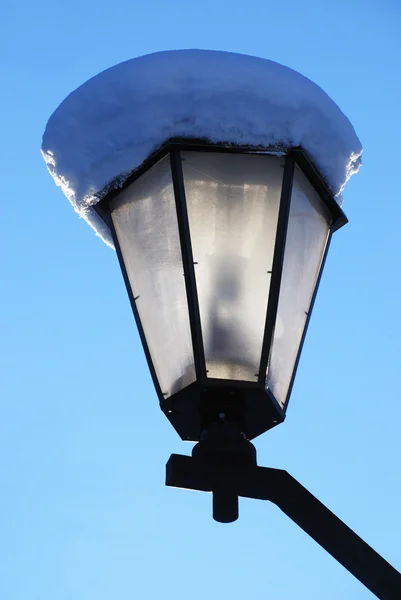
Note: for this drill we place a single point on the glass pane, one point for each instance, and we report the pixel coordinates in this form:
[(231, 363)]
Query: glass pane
[(144, 217), (233, 202), (307, 235)]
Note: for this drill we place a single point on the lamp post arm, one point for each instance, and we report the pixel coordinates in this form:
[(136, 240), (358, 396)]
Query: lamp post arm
[(301, 506), (332, 534)]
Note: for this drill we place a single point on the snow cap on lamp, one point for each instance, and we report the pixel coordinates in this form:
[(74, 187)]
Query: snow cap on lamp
[(111, 124)]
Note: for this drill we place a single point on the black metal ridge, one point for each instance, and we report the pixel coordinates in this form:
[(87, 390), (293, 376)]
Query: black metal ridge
[(302, 159)]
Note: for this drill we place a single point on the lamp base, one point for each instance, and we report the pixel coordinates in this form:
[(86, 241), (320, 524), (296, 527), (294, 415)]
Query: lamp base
[(194, 407), (222, 452)]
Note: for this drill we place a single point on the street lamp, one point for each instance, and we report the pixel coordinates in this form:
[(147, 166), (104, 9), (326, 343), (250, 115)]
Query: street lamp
[(222, 250), (218, 194)]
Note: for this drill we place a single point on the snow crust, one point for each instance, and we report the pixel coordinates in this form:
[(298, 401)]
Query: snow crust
[(106, 128)]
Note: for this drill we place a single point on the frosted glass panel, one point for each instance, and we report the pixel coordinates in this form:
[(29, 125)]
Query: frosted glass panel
[(145, 221), (307, 236), (233, 205)]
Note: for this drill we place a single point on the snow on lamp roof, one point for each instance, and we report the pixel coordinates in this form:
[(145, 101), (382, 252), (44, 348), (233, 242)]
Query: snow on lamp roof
[(106, 128)]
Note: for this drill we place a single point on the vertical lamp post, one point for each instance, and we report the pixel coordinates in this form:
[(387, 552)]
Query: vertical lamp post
[(222, 246)]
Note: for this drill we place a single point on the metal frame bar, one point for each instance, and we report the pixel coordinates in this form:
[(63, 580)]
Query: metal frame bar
[(319, 277), (277, 267), (203, 145), (180, 145), (188, 264), (103, 212), (311, 173), (136, 313)]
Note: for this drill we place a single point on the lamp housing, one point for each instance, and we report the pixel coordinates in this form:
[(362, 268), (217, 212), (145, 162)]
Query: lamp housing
[(222, 249)]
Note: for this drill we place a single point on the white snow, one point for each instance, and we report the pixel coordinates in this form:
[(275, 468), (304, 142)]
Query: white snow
[(107, 127)]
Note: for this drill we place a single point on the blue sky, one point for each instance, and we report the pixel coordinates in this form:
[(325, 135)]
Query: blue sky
[(84, 513)]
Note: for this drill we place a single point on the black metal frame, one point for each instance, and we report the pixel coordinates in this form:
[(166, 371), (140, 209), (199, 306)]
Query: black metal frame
[(277, 267), (136, 314), (319, 277), (188, 263), (253, 407)]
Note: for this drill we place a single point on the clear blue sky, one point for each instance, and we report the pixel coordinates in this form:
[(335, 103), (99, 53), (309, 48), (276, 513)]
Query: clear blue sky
[(84, 514)]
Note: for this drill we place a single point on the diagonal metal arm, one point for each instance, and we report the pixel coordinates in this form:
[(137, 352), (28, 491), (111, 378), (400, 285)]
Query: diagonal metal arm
[(333, 535), (302, 507)]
